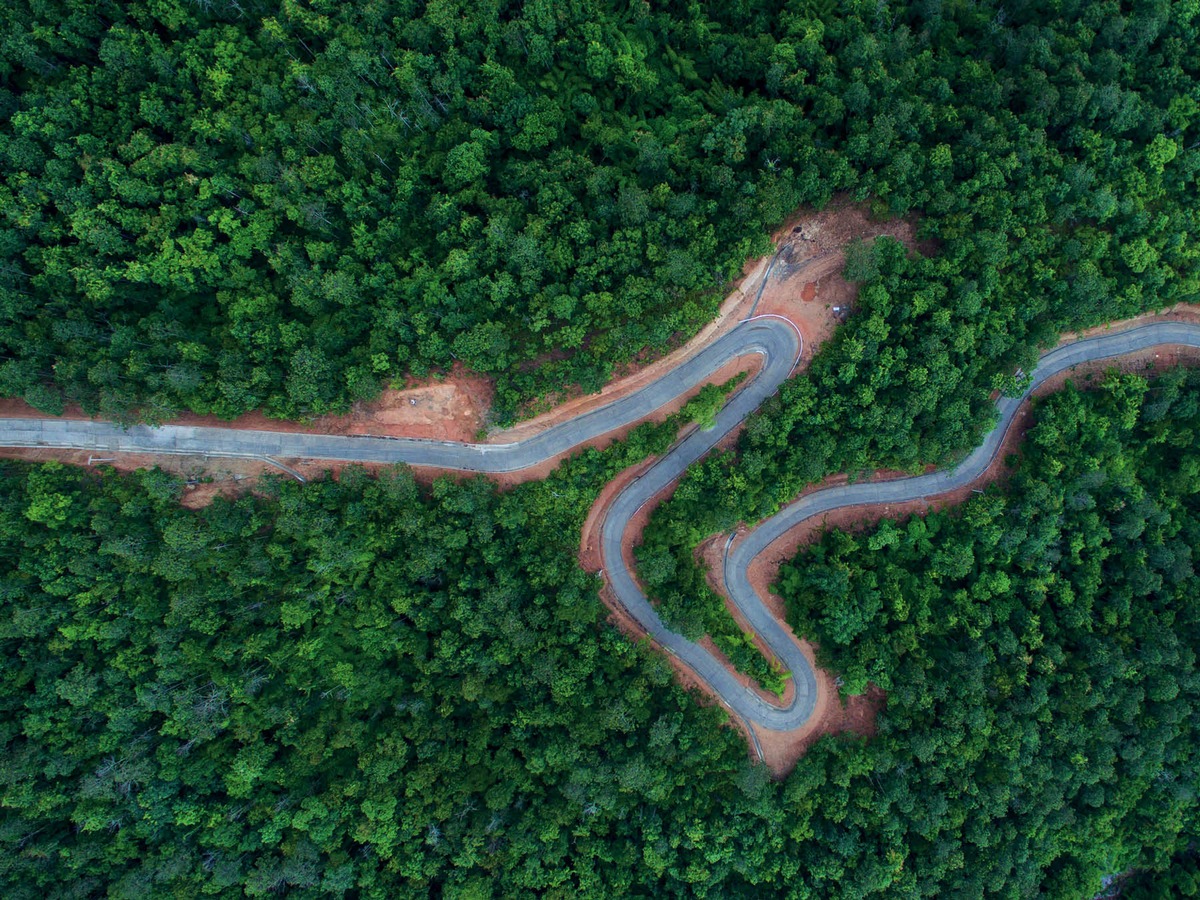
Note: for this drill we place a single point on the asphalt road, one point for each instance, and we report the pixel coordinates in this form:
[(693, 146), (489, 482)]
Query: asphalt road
[(773, 338), (737, 562)]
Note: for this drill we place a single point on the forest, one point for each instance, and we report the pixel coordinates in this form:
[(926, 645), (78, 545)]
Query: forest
[(361, 687), (231, 205), (1038, 644), (365, 688), (1038, 221), (1180, 879)]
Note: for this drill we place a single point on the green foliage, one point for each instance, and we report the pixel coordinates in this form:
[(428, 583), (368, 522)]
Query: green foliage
[(1038, 649), (359, 688), (223, 206), (1180, 879), (1052, 154), (703, 408), (344, 687)]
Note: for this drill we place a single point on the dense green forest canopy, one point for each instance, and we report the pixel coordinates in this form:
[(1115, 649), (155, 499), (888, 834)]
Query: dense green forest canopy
[(1039, 649), (1180, 879), (230, 204), (363, 688), (1039, 175)]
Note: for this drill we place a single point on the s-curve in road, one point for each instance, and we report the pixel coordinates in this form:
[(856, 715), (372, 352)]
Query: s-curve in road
[(775, 339), (742, 554)]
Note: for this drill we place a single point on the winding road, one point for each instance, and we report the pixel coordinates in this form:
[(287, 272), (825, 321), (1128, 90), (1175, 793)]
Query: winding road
[(774, 338)]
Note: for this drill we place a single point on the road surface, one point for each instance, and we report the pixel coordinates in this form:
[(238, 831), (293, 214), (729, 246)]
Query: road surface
[(775, 339)]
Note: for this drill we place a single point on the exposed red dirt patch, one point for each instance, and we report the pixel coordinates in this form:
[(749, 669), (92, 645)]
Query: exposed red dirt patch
[(806, 285), (833, 716), (452, 407)]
